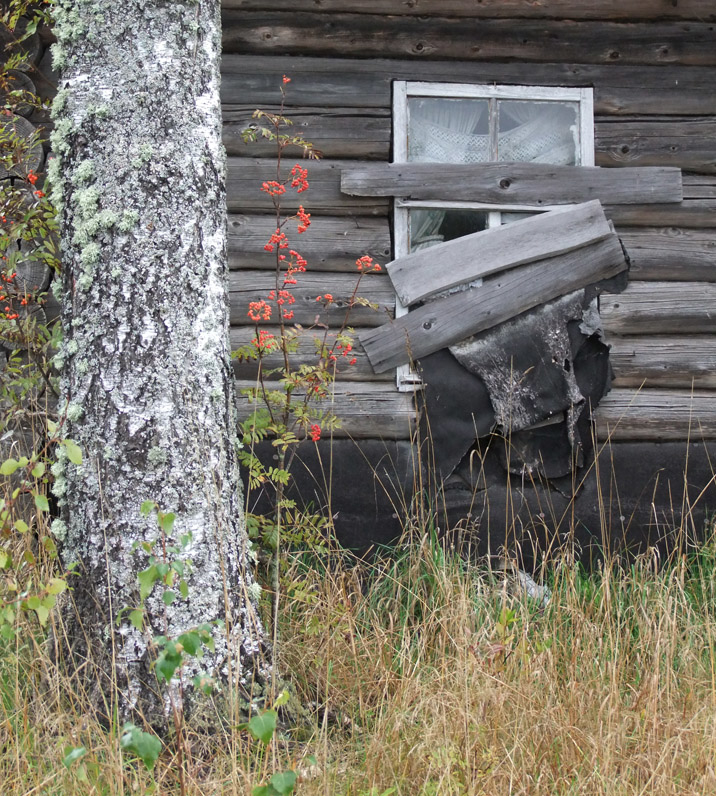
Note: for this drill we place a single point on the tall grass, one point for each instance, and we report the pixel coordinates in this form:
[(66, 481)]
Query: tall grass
[(425, 674)]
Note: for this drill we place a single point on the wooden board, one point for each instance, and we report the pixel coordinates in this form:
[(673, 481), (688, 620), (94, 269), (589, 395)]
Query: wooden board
[(254, 80), (246, 175), (702, 10), (661, 308), (689, 144), (329, 244), (248, 286), (503, 296), (419, 275), (694, 213), (336, 132), (373, 36), (657, 415), (534, 184), (305, 354), (367, 410), (699, 186), (660, 361), (670, 253)]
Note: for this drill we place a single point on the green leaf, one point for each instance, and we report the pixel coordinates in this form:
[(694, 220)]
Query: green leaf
[(263, 726), (74, 454), (145, 746), (136, 617), (190, 641), (168, 662), (168, 597), (72, 754), (147, 578), (183, 588), (56, 586), (51, 426), (21, 526), (281, 699), (166, 522), (9, 466), (4, 559), (263, 790), (162, 569), (42, 503), (147, 507), (283, 782), (38, 470), (42, 614)]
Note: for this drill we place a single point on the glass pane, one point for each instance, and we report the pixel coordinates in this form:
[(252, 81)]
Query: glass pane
[(429, 226), (538, 132), (448, 130)]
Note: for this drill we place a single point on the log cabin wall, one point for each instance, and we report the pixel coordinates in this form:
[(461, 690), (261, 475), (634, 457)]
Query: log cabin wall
[(652, 64)]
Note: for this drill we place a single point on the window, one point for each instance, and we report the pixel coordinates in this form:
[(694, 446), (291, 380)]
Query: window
[(455, 123)]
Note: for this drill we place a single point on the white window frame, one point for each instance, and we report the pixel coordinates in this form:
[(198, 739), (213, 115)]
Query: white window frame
[(407, 379)]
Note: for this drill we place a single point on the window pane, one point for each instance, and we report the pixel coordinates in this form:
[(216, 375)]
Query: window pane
[(429, 226), (448, 130), (538, 132)]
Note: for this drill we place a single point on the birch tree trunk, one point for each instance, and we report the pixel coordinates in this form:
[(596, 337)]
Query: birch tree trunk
[(139, 183)]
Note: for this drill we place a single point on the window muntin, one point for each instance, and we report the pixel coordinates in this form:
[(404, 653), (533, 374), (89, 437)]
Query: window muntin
[(461, 123)]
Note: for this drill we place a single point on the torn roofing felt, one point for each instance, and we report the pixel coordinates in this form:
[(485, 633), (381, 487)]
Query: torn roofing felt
[(522, 353)]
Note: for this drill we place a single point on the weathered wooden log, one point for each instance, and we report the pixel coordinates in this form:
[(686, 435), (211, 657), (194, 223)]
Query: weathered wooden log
[(328, 82), (446, 265), (336, 132), (503, 296), (658, 361), (22, 142), (661, 308), (366, 410), (244, 194), (373, 35), (330, 244), (670, 253), (689, 144), (305, 353), (694, 213), (699, 186), (248, 286), (657, 415), (702, 10), (535, 184)]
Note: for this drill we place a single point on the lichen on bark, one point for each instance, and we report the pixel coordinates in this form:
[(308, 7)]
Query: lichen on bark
[(147, 383)]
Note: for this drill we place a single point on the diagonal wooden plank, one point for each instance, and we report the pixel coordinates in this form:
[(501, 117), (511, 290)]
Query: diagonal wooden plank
[(503, 296), (416, 276), (536, 184)]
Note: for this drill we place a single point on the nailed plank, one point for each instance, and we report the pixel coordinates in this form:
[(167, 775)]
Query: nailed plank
[(329, 82), (419, 275), (336, 132), (661, 308), (366, 410), (372, 35), (245, 176), (657, 415), (670, 253), (329, 244), (248, 286), (514, 183), (694, 213), (503, 296), (510, 9), (661, 361), (688, 144), (305, 353)]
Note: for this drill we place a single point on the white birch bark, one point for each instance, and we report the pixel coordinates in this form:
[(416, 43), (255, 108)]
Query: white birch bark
[(139, 181)]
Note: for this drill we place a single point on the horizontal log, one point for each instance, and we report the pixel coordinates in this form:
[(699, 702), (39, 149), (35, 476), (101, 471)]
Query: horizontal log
[(366, 410), (304, 354), (657, 415), (693, 213), (248, 286), (373, 35), (329, 244), (688, 144), (670, 253), (507, 9), (535, 184), (661, 308), (246, 175), (254, 80), (422, 273), (503, 296), (699, 186), (336, 132), (660, 361)]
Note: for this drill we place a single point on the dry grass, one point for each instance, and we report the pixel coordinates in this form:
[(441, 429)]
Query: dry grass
[(430, 678)]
